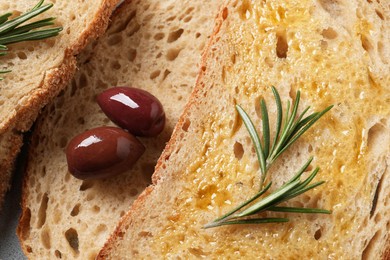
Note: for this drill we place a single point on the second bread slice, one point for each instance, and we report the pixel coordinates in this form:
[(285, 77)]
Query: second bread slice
[(153, 45)]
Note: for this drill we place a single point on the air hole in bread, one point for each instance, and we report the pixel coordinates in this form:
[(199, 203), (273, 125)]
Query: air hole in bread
[(174, 36), (101, 228), (305, 198), (68, 30), (380, 15), (42, 210), (83, 81), (72, 237), (366, 43), (29, 249), (148, 17), (90, 196), (375, 137), (43, 172), (170, 19), (238, 150), (369, 251), (329, 33), (95, 209), (115, 65), (131, 55), (22, 55), (45, 239), (76, 210), (186, 125), (172, 54), (318, 234), (58, 254), (189, 10), (233, 58), (187, 19), (224, 13), (166, 73), (159, 36), (135, 28), (123, 25), (223, 75), (114, 39), (85, 185), (378, 218), (281, 44), (155, 74)]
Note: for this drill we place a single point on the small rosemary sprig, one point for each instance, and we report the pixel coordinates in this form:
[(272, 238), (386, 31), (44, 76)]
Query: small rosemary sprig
[(13, 30), (293, 127)]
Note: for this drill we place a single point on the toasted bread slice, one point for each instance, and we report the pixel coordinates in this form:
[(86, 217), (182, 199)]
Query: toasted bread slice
[(334, 52), (153, 45), (40, 69)]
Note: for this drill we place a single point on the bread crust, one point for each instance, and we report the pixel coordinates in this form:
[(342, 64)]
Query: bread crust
[(52, 83)]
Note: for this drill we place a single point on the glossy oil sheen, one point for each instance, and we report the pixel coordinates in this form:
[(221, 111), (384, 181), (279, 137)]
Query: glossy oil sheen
[(102, 152), (133, 109)]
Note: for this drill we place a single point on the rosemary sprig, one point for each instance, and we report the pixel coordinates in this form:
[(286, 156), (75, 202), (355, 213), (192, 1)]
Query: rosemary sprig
[(293, 127), (13, 30)]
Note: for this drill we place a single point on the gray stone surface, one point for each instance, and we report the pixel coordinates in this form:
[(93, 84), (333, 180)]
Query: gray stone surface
[(9, 215)]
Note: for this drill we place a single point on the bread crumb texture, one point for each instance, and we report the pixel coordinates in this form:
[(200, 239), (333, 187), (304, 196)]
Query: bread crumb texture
[(334, 52), (153, 45)]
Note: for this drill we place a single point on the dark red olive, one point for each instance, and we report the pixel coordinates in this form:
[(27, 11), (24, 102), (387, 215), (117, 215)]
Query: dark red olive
[(102, 152), (133, 109)]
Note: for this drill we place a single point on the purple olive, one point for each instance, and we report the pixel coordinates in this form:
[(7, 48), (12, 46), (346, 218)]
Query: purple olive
[(133, 109), (102, 152)]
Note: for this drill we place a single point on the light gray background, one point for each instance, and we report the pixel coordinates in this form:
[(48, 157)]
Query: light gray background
[(9, 215)]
